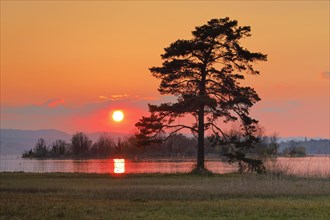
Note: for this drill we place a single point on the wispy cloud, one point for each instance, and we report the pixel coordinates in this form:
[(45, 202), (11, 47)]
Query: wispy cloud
[(103, 97), (52, 103), (113, 97), (325, 75), (87, 117), (147, 98), (119, 97), (279, 106)]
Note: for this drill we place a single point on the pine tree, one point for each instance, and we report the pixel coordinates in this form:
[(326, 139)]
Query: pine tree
[(204, 74)]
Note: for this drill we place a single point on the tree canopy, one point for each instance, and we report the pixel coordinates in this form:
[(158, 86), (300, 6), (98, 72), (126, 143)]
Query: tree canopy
[(204, 73)]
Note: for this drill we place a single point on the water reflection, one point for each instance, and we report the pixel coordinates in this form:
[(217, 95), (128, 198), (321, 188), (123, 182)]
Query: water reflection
[(119, 166), (306, 166)]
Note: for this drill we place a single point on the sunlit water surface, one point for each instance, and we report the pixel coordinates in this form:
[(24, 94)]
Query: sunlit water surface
[(306, 166)]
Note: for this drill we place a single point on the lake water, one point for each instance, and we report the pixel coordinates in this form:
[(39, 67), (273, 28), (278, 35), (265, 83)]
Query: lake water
[(306, 166)]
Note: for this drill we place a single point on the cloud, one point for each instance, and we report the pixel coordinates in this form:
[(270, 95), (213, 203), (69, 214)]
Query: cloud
[(103, 97), (325, 75), (85, 117), (126, 97), (118, 97), (113, 97), (146, 98), (54, 103), (279, 106)]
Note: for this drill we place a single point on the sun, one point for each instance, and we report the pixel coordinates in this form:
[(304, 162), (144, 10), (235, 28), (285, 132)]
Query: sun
[(118, 115)]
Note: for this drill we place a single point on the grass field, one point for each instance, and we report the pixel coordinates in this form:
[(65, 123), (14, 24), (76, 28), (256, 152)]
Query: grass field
[(160, 196)]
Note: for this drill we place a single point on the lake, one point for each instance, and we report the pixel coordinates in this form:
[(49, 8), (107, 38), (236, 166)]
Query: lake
[(306, 166)]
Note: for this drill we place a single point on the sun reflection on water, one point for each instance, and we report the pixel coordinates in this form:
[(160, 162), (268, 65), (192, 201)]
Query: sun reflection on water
[(119, 166)]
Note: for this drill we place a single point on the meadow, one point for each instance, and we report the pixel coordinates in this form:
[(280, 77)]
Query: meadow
[(162, 196)]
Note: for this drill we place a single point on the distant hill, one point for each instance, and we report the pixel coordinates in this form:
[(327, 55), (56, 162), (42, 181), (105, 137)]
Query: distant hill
[(15, 142)]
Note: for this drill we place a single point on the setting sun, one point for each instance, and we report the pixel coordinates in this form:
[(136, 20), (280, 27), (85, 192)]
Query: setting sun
[(118, 116)]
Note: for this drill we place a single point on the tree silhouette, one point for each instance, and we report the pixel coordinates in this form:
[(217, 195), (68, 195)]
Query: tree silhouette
[(59, 147), (40, 148), (204, 74), (80, 143)]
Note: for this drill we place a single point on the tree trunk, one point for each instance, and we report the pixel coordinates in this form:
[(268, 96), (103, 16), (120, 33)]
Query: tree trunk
[(200, 148), (201, 129)]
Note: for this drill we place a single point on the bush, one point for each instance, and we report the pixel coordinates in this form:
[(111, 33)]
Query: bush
[(295, 151)]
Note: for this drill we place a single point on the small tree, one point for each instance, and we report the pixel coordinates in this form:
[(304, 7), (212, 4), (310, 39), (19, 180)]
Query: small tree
[(59, 147), (177, 144), (40, 148), (267, 147), (294, 150), (104, 146), (80, 143), (273, 146), (204, 74)]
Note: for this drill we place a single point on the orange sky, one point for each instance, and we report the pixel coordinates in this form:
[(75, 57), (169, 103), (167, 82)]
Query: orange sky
[(65, 65)]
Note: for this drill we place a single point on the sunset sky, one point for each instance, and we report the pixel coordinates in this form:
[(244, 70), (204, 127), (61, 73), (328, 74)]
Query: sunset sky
[(69, 65)]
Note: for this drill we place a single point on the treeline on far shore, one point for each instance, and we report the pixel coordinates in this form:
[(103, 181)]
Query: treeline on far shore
[(105, 146)]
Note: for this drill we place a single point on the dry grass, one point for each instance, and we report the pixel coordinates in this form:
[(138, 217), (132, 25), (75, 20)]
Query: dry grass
[(160, 196), (165, 187), (308, 167)]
